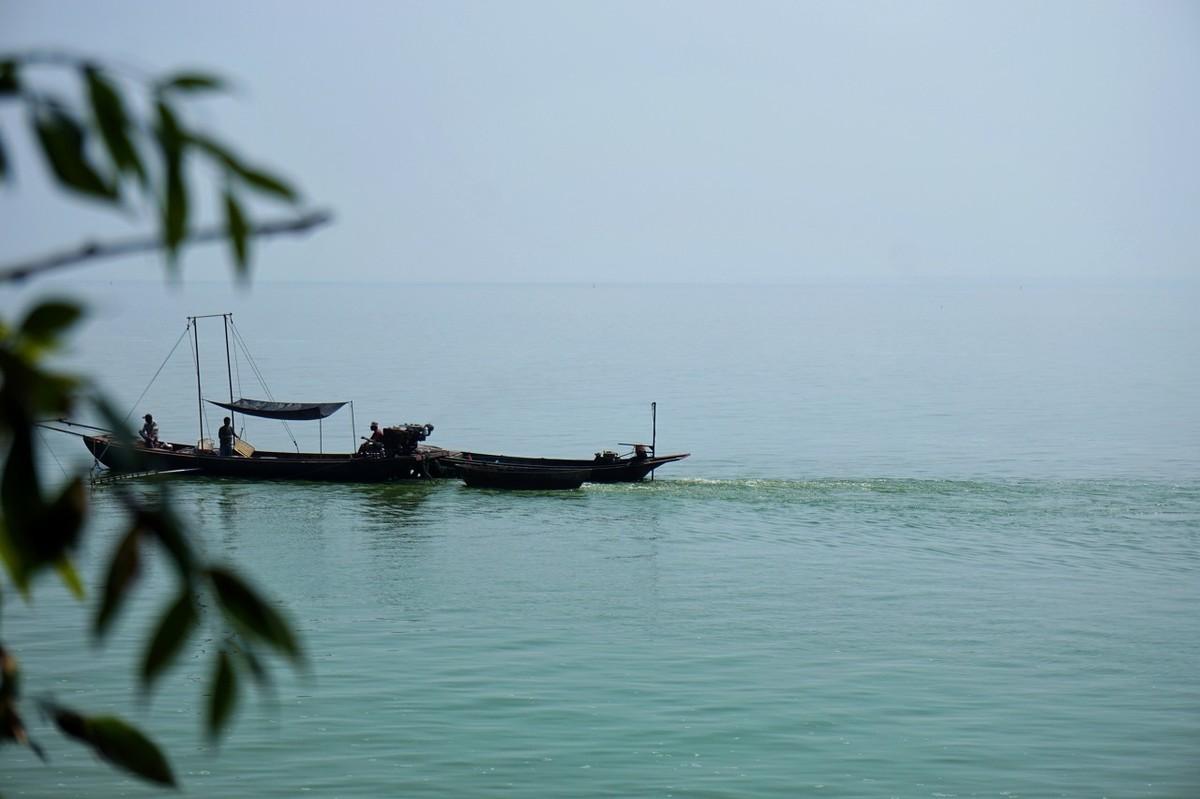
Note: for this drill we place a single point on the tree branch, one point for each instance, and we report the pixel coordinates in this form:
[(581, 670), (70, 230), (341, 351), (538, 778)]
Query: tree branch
[(93, 250)]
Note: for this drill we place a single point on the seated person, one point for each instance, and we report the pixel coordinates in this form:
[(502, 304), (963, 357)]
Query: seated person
[(374, 443), (149, 431)]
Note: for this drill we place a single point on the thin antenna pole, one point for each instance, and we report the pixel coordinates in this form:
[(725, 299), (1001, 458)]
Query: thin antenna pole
[(199, 398), (653, 432), (653, 426), (227, 318)]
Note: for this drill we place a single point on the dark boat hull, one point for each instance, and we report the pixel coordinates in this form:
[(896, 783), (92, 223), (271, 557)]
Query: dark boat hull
[(520, 478), (621, 470), (266, 465)]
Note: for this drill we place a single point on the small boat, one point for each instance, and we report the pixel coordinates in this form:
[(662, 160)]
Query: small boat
[(396, 455), (605, 467), (520, 477), (250, 464)]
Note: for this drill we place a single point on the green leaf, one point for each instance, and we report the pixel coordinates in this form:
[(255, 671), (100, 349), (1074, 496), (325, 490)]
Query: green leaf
[(122, 570), (64, 143), (130, 459), (68, 721), (20, 492), (191, 82), (214, 149), (47, 322), (257, 179), (238, 234), (128, 748), (172, 633), (9, 83), (119, 743), (113, 123), (59, 528), (53, 394), (171, 141), (29, 390), (266, 183), (175, 210), (251, 613), (170, 534), (14, 561), (223, 694), (36, 535), (21, 506), (10, 677), (260, 674), (12, 726), (70, 577)]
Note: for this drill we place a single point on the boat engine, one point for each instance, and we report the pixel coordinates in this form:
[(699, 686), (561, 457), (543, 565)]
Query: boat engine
[(403, 439)]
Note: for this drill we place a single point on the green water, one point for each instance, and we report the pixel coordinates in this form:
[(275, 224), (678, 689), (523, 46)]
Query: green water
[(998, 599), (694, 638)]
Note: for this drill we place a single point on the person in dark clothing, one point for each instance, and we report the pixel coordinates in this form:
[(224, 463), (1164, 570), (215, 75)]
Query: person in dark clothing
[(226, 436)]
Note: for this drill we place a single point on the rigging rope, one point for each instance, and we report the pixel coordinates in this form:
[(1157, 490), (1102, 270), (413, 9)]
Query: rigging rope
[(258, 373), (46, 445), (156, 374), (237, 370)]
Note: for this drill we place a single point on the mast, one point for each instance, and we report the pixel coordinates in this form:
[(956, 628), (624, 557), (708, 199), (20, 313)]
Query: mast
[(653, 432), (199, 399), (194, 321), (228, 370)]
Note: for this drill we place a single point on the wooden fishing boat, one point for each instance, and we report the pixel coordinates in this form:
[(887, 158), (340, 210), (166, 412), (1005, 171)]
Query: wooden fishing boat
[(394, 453), (520, 477), (377, 467), (605, 467)]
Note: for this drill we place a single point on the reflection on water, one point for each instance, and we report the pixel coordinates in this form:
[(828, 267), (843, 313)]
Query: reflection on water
[(228, 496), (392, 506)]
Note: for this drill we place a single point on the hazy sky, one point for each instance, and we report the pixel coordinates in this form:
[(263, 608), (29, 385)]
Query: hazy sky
[(674, 141)]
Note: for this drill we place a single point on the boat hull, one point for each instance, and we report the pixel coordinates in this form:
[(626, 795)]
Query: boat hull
[(621, 470), (521, 478), (262, 465)]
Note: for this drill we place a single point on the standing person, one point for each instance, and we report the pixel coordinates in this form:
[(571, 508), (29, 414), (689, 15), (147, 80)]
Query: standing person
[(149, 431), (226, 436)]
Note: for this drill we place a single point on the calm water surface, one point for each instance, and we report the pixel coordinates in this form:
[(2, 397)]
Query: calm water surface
[(934, 541)]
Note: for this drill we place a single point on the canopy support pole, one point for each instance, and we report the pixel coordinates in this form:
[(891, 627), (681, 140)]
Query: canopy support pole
[(321, 436), (353, 427)]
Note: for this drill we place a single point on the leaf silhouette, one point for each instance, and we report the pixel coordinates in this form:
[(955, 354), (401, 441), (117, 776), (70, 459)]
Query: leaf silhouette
[(251, 613)]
